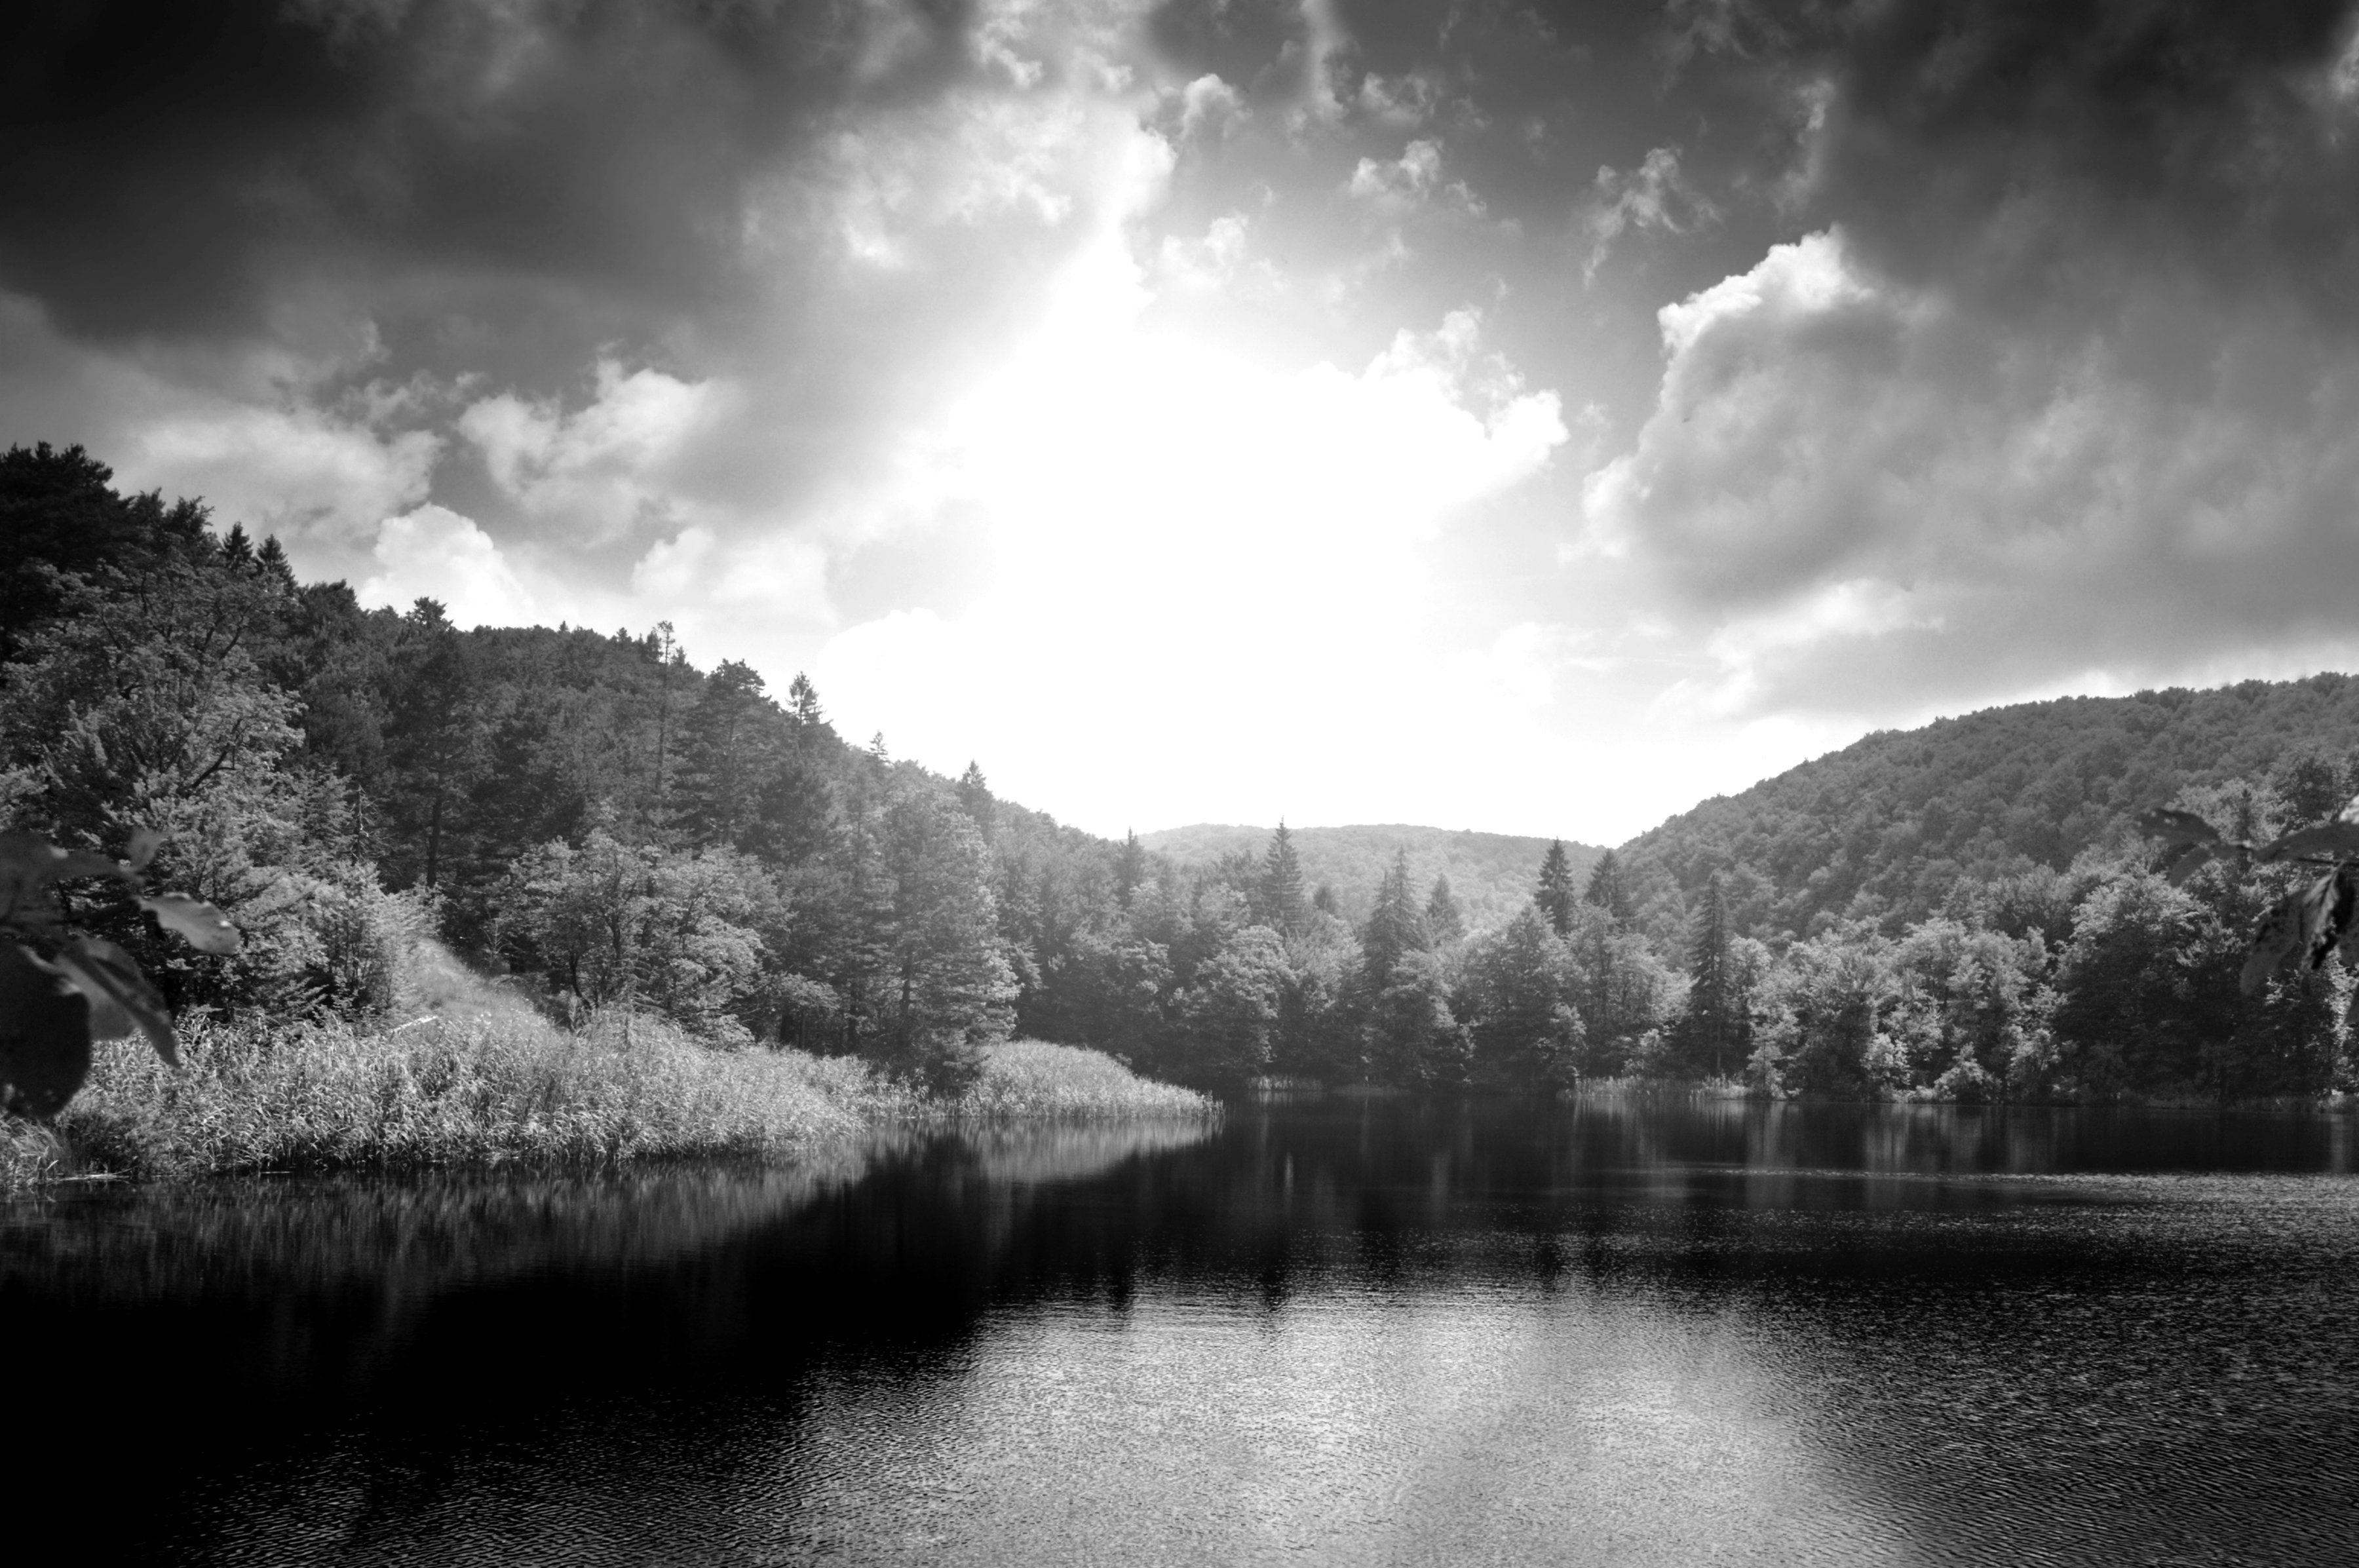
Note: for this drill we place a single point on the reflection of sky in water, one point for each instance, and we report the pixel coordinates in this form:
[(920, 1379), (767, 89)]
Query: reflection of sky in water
[(1345, 1426), (1336, 1334)]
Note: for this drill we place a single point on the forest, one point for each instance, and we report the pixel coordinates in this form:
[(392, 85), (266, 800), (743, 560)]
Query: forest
[(1490, 874), (1959, 913)]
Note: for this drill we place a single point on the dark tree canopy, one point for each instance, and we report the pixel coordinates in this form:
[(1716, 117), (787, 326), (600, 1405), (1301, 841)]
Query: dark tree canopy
[(59, 513), (1609, 888), (1281, 882), (1554, 896)]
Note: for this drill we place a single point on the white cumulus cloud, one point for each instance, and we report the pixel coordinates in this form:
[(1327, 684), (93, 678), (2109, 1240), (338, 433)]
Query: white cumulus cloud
[(435, 553), (601, 468), (2001, 506)]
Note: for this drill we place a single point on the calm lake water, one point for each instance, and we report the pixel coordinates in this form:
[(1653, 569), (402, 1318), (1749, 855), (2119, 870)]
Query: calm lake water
[(1330, 1331)]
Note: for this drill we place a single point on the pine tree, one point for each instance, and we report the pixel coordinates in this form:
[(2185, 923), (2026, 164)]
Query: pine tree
[(802, 700), (1129, 867), (791, 813), (668, 657), (1527, 1035), (724, 755), (975, 796), (1710, 1028), (1554, 895), (1608, 889), (435, 734), (276, 569), (1445, 922), (802, 706), (1281, 882), (1393, 927), (948, 990)]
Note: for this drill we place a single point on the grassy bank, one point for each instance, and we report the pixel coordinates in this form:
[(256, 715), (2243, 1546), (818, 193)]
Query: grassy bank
[(1031, 1080), (477, 1078), (510, 1089)]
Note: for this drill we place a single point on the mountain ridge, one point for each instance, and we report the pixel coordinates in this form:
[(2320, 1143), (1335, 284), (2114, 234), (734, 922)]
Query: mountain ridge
[(1491, 875), (1883, 829)]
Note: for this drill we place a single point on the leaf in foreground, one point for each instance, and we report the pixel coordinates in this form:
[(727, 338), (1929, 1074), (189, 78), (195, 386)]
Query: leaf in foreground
[(2279, 934), (44, 1035), (121, 998), (2176, 827), (206, 928), (2332, 898), (2336, 839), (2190, 862), (29, 863), (144, 843), (2310, 919)]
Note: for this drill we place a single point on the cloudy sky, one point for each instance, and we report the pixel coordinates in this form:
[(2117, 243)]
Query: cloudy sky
[(1531, 417)]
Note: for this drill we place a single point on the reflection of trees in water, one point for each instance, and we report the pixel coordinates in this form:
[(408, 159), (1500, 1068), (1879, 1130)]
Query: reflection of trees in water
[(402, 1240), (432, 1303), (1071, 1151), (1277, 1191), (915, 1240)]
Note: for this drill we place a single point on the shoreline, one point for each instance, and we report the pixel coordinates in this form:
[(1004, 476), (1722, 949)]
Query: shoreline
[(513, 1093)]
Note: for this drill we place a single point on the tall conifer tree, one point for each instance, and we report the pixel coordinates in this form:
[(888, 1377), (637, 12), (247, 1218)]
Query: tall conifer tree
[(1554, 895), (1129, 867), (434, 735), (1709, 1025), (1281, 882), (1445, 921), (723, 755), (1609, 889), (1394, 926), (974, 795)]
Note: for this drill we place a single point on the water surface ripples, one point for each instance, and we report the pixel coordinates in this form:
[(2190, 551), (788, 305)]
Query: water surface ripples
[(1330, 1331)]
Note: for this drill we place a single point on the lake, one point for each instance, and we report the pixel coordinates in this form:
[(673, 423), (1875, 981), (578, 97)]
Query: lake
[(1330, 1330)]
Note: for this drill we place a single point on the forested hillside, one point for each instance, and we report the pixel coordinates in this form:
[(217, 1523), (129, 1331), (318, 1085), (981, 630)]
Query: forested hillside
[(1885, 830), (613, 830), (1490, 873)]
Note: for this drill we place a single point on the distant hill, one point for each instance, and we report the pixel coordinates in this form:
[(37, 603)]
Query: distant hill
[(1881, 828), (1491, 872)]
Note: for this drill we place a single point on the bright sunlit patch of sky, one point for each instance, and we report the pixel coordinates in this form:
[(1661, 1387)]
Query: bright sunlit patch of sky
[(1532, 419)]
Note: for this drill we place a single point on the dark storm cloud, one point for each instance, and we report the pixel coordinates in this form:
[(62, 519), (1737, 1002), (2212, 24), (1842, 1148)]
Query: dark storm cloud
[(2056, 374), (1259, 46), (174, 165), (2025, 149), (692, 263)]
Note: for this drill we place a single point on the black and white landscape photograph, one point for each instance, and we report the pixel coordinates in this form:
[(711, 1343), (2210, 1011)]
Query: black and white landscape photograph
[(956, 783)]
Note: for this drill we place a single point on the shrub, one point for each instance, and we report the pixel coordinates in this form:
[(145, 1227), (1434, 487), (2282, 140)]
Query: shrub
[(1032, 1078)]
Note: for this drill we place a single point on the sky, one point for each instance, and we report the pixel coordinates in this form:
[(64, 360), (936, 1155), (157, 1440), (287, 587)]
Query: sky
[(1526, 417)]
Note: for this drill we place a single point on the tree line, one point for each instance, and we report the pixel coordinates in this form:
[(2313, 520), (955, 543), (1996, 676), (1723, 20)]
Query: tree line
[(1884, 829), (611, 826)]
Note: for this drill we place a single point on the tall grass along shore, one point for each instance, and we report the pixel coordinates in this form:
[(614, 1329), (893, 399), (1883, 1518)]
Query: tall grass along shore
[(482, 1080)]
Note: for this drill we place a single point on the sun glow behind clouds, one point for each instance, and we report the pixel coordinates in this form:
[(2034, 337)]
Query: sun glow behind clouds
[(1209, 576)]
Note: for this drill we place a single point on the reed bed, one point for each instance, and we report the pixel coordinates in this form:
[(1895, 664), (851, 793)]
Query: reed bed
[(503, 1087), (30, 1153), (1032, 1080), (484, 1091), (1636, 1086), (479, 1078)]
